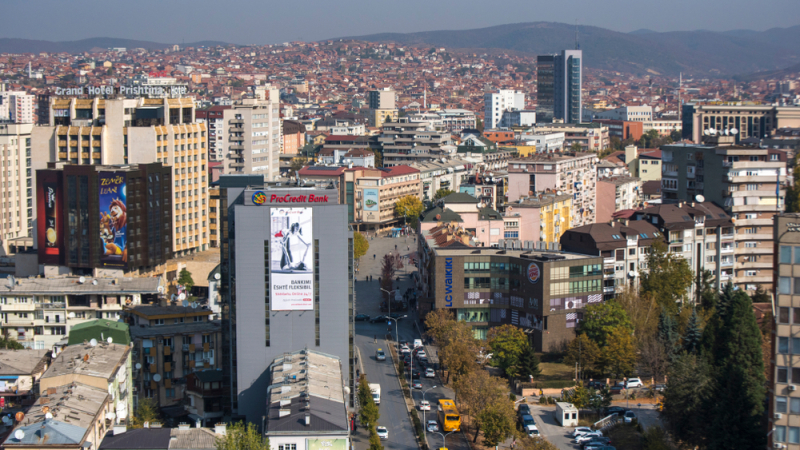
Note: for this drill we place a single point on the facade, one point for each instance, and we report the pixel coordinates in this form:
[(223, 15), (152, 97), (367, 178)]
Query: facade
[(19, 370), (541, 292), (567, 86), (214, 124), (438, 174), (410, 142), (756, 121), (663, 127), (564, 173), (381, 107), (377, 117), (643, 163), (617, 194), (748, 182), (252, 137), (642, 113), (545, 142), (262, 318), (545, 88), (17, 181), (624, 247), (590, 136), (16, 106), (40, 312), (356, 157), (294, 137), (622, 129), (136, 131), (542, 217), (456, 120), (520, 118), (133, 203), (170, 343), (496, 103), (306, 402)]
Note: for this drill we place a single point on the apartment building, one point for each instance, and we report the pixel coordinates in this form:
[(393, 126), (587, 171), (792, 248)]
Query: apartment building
[(410, 142), (382, 107), (437, 174), (16, 106), (542, 217), (642, 113), (622, 129), (496, 103), (747, 182), (748, 120), (590, 136), (252, 137), (171, 342), (617, 194), (136, 131), (563, 173), (642, 162), (19, 370), (294, 136), (544, 142), (16, 178), (456, 120), (624, 246), (214, 121), (40, 312), (518, 118), (662, 127)]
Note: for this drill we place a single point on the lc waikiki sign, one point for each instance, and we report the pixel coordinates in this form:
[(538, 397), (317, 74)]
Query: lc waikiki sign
[(448, 282)]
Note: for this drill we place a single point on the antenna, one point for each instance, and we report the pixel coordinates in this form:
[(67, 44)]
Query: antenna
[(577, 45)]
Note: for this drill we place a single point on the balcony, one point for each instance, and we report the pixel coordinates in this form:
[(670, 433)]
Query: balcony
[(236, 122), (56, 305), (607, 261), (236, 147), (236, 165), (608, 290), (725, 250), (726, 263), (18, 307)]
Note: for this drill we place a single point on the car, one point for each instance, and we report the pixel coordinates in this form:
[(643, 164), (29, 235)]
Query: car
[(383, 433), (596, 385), (430, 373), (421, 354), (379, 355), (634, 383), (396, 316), (659, 387), (424, 405), (361, 317), (404, 350), (417, 343), (580, 430), (432, 426), (423, 359), (595, 441), (629, 416), (415, 374), (617, 389), (614, 409), (586, 437), (524, 409), (376, 319), (416, 385), (597, 445)]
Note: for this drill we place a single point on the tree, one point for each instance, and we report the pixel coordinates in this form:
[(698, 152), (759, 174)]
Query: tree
[(507, 343), (693, 335), (441, 193), (241, 436), (793, 192), (688, 389), (360, 245), (642, 310), (368, 413), (11, 344), (675, 136), (185, 279), (479, 124), (409, 208), (378, 158), (653, 356), (600, 319), (456, 342), (528, 366), (146, 411), (706, 290), (576, 147), (388, 268), (761, 295), (668, 277), (579, 396), (374, 440), (297, 164), (619, 354), (584, 352), (476, 390), (497, 421), (599, 400), (537, 443), (668, 334)]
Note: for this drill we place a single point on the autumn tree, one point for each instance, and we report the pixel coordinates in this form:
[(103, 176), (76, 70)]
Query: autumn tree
[(653, 356), (146, 411), (360, 245), (477, 389), (409, 208), (507, 343), (242, 436), (497, 420), (441, 193), (642, 310), (456, 342), (583, 352), (388, 269), (601, 319), (619, 354), (368, 412), (668, 277)]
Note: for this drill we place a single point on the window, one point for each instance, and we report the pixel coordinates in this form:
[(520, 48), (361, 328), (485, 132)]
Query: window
[(780, 404), (783, 375), (783, 314), (158, 321), (786, 254), (796, 316), (794, 435), (780, 434), (287, 447), (794, 405), (796, 286), (783, 345), (170, 393), (784, 285), (796, 346), (795, 375)]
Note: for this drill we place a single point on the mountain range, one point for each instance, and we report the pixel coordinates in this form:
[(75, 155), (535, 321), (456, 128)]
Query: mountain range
[(10, 45), (695, 53)]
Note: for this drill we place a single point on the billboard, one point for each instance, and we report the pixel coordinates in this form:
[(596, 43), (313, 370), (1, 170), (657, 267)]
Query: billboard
[(51, 231), (113, 207), (371, 202), (291, 259)]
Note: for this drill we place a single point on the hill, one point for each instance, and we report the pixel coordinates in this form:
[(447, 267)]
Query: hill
[(770, 74), (9, 45), (696, 53)]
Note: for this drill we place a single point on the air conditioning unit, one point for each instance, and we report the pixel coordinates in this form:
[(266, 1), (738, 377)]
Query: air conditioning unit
[(777, 445), (792, 387), (778, 415)]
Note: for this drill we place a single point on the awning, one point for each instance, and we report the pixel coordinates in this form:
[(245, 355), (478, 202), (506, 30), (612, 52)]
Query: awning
[(9, 377)]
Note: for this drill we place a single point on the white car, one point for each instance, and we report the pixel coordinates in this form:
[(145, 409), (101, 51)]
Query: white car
[(424, 405), (421, 354), (588, 436), (634, 383), (629, 416), (416, 385), (405, 350), (581, 430), (429, 373), (433, 426), (383, 433)]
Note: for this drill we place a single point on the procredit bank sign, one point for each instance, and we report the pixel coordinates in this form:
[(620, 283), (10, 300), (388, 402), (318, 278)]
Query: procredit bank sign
[(158, 91)]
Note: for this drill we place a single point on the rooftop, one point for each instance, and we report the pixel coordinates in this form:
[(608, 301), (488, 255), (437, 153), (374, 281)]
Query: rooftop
[(72, 285), (22, 362), (102, 360), (175, 329), (158, 311), (553, 157), (533, 255)]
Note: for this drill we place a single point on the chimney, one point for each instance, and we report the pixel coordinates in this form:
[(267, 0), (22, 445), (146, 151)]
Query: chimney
[(308, 419), (198, 423), (220, 429), (120, 428)]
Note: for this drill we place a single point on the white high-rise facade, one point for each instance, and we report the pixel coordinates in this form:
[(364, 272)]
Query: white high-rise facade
[(16, 179), (496, 103), (251, 132), (16, 106)]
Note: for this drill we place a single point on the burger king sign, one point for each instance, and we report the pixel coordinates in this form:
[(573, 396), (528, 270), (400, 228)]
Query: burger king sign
[(533, 273)]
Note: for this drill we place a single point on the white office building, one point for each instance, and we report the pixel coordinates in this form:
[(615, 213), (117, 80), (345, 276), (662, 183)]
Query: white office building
[(496, 103), (628, 113)]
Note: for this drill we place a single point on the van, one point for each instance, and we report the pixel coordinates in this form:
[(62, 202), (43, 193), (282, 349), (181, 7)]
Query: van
[(417, 343)]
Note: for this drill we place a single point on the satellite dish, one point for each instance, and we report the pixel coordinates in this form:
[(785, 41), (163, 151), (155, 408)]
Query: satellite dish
[(632, 274), (71, 315), (48, 416), (94, 282), (161, 289), (138, 366), (181, 296), (194, 305), (706, 132), (700, 198), (110, 340), (726, 132), (111, 415), (19, 435), (156, 378), (54, 354), (93, 342), (82, 280), (185, 303), (734, 131), (217, 276), (172, 297), (10, 282), (6, 420)]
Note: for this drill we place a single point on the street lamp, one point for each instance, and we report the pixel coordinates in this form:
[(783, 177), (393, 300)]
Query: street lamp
[(424, 422), (444, 437), (389, 300)]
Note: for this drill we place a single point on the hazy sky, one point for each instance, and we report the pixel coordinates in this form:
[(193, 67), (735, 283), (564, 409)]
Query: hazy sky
[(272, 21)]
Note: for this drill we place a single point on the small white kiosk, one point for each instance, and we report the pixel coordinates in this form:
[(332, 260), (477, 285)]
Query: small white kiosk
[(566, 414)]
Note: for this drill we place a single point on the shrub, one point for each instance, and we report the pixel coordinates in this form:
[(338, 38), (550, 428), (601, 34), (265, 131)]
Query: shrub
[(512, 397)]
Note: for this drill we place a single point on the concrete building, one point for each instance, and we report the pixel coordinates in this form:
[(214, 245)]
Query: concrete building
[(252, 137), (643, 163), (544, 142), (19, 371), (590, 136), (214, 124), (382, 107), (496, 103), (437, 174), (545, 88), (642, 113), (353, 157), (136, 131), (262, 317), (519, 118), (617, 194), (456, 120), (307, 402), (409, 142), (169, 343), (662, 127), (748, 182), (623, 245), (564, 173), (17, 181), (542, 217), (749, 120), (559, 84), (622, 129), (294, 137), (16, 106), (40, 312)]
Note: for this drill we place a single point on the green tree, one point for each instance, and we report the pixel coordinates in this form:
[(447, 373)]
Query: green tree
[(620, 352), (599, 400), (10, 344), (600, 319), (675, 136), (642, 310), (793, 192), (507, 343), (409, 208), (761, 295), (668, 277), (368, 413), (146, 411), (378, 158), (668, 334), (360, 245), (706, 290), (496, 421), (583, 352), (528, 365), (479, 124), (693, 336), (374, 440), (579, 396), (297, 164), (576, 147), (185, 279), (656, 438), (688, 390), (441, 193), (241, 436)]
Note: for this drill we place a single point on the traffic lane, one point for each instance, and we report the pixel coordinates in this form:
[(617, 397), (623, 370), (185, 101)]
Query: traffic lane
[(647, 414), (393, 414), (559, 436)]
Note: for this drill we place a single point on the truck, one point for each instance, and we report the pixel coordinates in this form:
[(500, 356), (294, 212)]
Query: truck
[(375, 388)]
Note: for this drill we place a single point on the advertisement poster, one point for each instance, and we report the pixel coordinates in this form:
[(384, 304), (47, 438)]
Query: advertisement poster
[(51, 222), (371, 202), (113, 219), (291, 259)]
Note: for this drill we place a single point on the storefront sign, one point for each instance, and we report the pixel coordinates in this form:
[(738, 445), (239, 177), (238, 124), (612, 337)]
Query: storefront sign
[(157, 91), (448, 282), (260, 198), (533, 273)]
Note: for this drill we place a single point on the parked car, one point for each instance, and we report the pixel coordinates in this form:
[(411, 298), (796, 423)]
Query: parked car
[(429, 373), (396, 316), (614, 409), (634, 383), (586, 437), (597, 441), (617, 389), (524, 409), (376, 319), (432, 426), (659, 387), (361, 317), (596, 385), (629, 416), (383, 433), (416, 385), (579, 430), (424, 405)]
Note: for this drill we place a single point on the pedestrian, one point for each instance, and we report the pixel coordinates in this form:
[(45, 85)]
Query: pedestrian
[(374, 256)]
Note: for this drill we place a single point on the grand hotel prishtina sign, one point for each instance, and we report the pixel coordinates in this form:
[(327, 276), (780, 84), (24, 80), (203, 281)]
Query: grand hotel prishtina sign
[(156, 91)]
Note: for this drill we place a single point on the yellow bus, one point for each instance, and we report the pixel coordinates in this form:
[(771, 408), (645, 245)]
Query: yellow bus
[(449, 417)]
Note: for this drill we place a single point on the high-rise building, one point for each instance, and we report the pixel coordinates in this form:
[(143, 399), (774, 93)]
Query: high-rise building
[(496, 103), (559, 83), (136, 131), (251, 132), (382, 107), (747, 182), (16, 106), (214, 123), (16, 178), (748, 121), (287, 283)]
